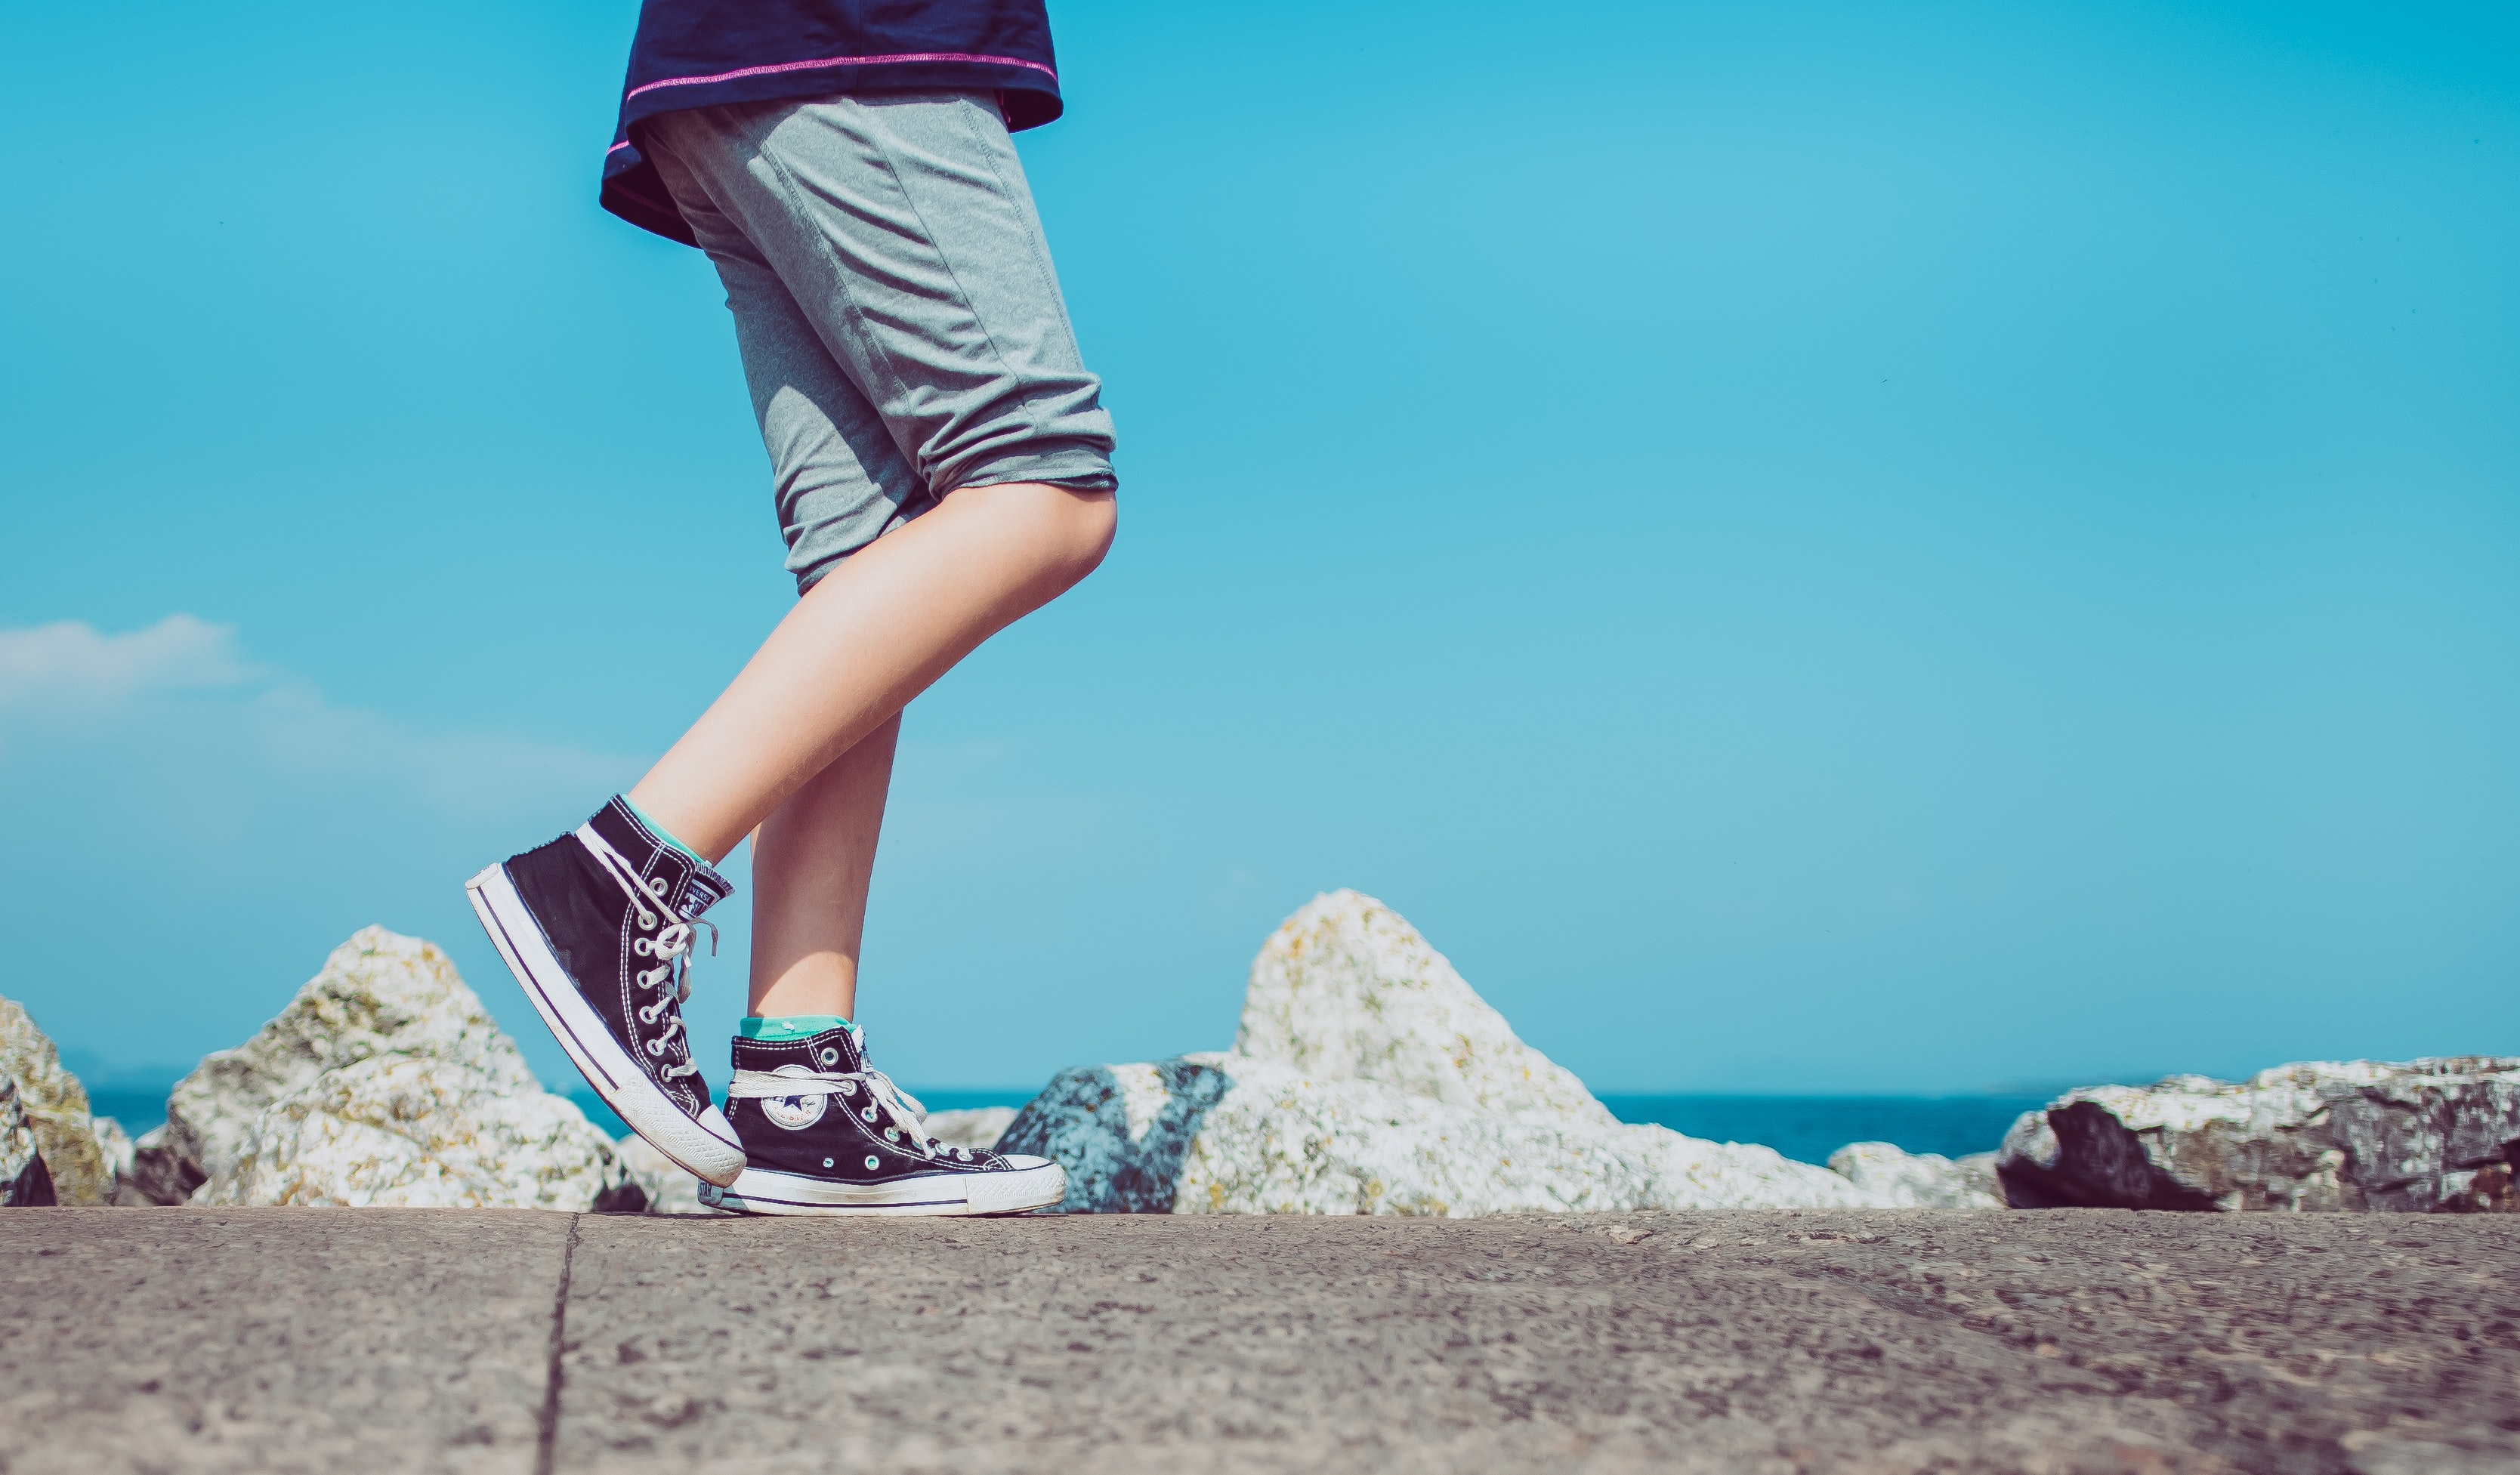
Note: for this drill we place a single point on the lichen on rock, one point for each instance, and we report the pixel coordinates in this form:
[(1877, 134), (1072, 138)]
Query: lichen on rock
[(383, 1082)]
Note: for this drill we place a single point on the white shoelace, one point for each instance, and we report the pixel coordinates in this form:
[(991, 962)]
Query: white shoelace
[(885, 1101), (671, 946)]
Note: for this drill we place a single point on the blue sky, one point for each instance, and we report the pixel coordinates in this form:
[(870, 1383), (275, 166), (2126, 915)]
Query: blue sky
[(1837, 548)]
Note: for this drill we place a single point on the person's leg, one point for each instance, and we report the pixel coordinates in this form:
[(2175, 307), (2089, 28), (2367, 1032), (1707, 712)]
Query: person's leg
[(900, 227), (812, 860), (888, 273), (872, 634)]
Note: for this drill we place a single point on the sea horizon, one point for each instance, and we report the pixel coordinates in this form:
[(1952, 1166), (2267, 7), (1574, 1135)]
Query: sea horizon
[(1804, 1125)]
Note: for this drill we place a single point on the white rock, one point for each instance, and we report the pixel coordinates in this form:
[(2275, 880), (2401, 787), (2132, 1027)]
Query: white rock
[(978, 1128), (385, 1082), (1223, 1134), (47, 1115), (114, 1145), (1920, 1180), (1369, 1079), (1346, 990), (2426, 1136)]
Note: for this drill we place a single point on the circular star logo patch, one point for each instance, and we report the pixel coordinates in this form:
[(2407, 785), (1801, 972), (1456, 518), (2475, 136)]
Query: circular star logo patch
[(795, 1113)]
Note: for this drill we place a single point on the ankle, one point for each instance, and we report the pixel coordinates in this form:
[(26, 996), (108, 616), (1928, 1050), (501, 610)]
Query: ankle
[(787, 1026)]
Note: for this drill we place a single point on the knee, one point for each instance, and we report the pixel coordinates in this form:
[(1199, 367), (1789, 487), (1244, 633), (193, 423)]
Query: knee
[(1061, 533), (1072, 531), (1089, 521)]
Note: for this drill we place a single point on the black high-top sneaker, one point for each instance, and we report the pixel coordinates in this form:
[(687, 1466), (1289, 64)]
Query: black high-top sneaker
[(599, 927), (823, 1133)]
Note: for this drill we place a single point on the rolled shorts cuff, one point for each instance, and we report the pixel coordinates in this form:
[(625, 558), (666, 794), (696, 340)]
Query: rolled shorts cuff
[(1081, 467)]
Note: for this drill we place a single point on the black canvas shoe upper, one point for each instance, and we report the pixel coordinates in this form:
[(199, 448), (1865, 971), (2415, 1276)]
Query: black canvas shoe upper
[(620, 909), (846, 1122)]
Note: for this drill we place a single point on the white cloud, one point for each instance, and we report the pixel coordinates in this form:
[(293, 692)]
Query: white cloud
[(71, 661), (176, 712), (197, 828)]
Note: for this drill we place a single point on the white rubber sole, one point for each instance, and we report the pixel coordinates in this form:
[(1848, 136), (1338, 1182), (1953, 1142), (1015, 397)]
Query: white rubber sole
[(761, 1191), (707, 1148)]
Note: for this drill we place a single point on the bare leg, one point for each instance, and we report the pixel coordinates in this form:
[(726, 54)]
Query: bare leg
[(811, 862), (871, 636)]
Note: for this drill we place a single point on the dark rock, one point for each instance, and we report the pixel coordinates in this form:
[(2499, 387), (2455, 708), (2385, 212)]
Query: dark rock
[(2436, 1136)]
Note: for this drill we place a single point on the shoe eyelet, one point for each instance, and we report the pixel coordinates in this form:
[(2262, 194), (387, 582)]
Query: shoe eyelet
[(891, 1135), (847, 1088), (642, 946), (873, 1162), (868, 1114), (656, 1049), (829, 1056), (827, 1162)]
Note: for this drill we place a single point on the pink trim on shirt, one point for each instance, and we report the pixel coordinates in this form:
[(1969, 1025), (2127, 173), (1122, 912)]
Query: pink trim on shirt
[(772, 71)]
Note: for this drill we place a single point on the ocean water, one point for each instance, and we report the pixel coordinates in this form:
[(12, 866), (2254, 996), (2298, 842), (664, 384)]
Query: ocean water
[(1808, 1129), (1805, 1128), (142, 1108)]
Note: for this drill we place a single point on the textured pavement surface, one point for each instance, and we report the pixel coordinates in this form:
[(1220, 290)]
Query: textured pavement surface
[(386, 1340)]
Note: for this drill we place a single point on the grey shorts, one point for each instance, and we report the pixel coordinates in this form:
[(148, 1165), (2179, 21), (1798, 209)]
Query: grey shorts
[(901, 327)]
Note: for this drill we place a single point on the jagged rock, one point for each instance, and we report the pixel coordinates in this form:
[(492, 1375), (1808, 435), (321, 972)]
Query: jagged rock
[(1369, 1079), (383, 1082), (50, 1107), (2430, 1135), (25, 1182), (1920, 1180), (161, 1174), (114, 1145), (1346, 990), (1224, 1133), (978, 1129)]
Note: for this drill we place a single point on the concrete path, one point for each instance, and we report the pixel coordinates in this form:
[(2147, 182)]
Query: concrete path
[(177, 1340)]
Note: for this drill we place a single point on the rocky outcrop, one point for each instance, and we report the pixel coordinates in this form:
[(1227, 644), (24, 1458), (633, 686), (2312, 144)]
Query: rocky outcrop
[(1367, 1078), (978, 1128), (383, 1082), (48, 1147), (1920, 1180), (1346, 990), (25, 1182), (2427, 1136)]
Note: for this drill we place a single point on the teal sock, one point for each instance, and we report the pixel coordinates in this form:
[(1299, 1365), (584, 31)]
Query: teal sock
[(660, 830), (788, 1026)]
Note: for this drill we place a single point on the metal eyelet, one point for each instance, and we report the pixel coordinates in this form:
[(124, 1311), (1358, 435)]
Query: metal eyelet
[(869, 1113), (873, 1162), (847, 1088), (829, 1056), (891, 1135), (827, 1162)]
